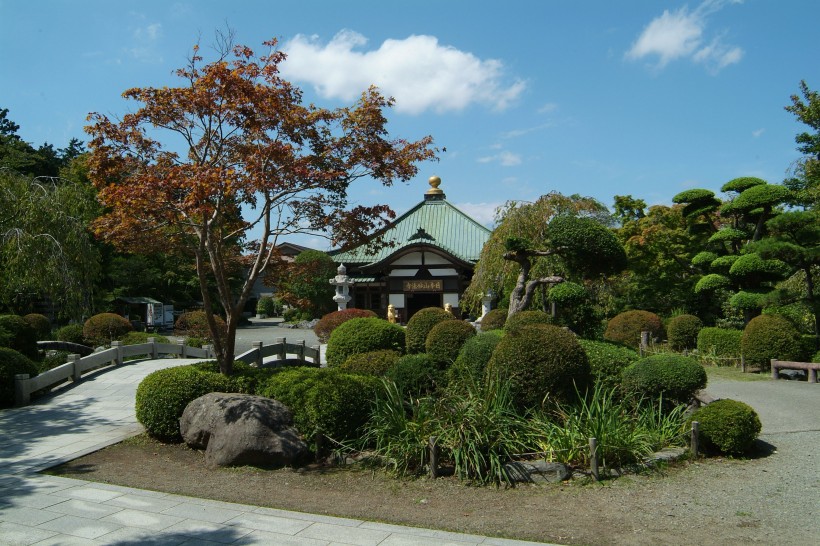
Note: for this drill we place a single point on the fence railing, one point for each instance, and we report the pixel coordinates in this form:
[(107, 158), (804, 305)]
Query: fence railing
[(73, 370)]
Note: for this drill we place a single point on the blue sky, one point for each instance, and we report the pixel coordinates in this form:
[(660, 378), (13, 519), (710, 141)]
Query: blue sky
[(600, 98)]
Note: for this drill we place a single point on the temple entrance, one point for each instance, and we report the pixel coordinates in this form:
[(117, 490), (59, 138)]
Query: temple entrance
[(420, 300)]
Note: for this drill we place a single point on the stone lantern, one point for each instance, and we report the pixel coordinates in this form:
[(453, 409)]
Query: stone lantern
[(342, 283)]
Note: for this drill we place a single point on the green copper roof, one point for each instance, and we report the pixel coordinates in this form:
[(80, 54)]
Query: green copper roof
[(433, 222)]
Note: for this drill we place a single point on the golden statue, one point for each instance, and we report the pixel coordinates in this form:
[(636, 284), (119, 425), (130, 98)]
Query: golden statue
[(391, 314)]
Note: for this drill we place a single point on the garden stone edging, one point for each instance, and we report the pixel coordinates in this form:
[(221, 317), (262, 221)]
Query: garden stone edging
[(537, 472)]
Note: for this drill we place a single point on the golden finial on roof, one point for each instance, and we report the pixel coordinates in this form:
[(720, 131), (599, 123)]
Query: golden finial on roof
[(434, 182)]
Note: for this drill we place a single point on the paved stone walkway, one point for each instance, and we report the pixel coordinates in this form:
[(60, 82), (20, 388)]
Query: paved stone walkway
[(99, 411)]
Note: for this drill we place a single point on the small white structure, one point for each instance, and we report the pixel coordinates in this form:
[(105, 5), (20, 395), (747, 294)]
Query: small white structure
[(487, 303), (342, 283)]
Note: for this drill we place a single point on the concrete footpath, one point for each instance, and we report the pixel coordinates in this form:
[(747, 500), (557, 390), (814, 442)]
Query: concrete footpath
[(99, 411)]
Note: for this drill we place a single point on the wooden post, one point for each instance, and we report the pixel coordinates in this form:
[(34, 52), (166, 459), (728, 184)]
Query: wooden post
[(742, 363), (258, 346), (694, 445), (74, 359), (433, 457), (154, 350), (644, 342), (318, 359), (283, 349), (812, 375), (774, 368), (22, 396), (300, 351), (593, 458), (118, 359)]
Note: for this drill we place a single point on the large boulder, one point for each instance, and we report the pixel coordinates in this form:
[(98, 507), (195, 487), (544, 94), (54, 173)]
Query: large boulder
[(242, 429)]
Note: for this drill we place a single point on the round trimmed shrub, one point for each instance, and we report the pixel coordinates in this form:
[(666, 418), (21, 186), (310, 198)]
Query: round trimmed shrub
[(362, 335), (445, 341), (719, 342), (420, 325), (371, 363), (329, 401), (73, 333), (333, 320), (494, 320), (40, 324), (540, 361), (626, 327), (474, 355), (526, 318), (414, 375), (19, 335), (136, 338), (12, 363), (195, 324), (269, 307), (682, 332), (104, 328), (767, 337), (675, 377), (607, 361), (163, 394), (727, 426)]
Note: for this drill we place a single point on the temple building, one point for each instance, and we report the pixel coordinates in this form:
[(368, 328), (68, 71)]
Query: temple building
[(429, 263)]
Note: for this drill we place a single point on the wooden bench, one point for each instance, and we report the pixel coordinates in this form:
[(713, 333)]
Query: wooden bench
[(810, 367)]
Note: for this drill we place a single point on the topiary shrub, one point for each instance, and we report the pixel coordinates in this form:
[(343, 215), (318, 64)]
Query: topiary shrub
[(40, 324), (269, 307), (329, 401), (371, 363), (682, 332), (720, 343), (19, 335), (607, 361), (445, 341), (526, 318), (163, 394), (727, 426), (540, 361), (494, 320), (473, 358), (362, 335), (420, 325), (333, 320), (675, 377), (136, 338), (414, 375), (767, 337), (12, 363), (73, 333), (195, 324), (197, 342), (104, 328), (626, 328)]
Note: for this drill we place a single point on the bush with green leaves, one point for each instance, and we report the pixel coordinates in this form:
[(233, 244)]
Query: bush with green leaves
[(362, 335), (12, 363), (607, 361), (137, 338), (420, 325), (727, 426), (73, 333), (40, 324), (675, 377), (163, 395), (104, 328), (472, 360), (526, 318), (268, 306), (719, 343), (195, 324), (333, 320), (446, 339), (371, 363), (767, 337), (682, 332), (414, 375), (325, 400), (541, 362), (626, 327), (198, 342), (494, 320), (15, 333)]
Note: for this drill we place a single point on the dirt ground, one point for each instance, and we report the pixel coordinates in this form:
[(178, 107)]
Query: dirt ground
[(711, 501)]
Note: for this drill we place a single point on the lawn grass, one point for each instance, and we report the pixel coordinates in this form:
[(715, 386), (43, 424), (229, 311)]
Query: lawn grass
[(730, 372)]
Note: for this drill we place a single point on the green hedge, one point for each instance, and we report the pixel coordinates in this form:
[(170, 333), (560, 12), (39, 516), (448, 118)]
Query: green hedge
[(472, 360), (371, 363), (73, 333), (11, 364), (104, 328), (682, 332), (15, 333), (767, 337), (626, 327), (195, 324), (675, 377), (607, 361), (526, 318), (446, 339), (362, 335), (414, 375), (40, 324), (137, 338), (333, 320), (719, 343), (727, 426), (420, 325), (540, 362), (325, 400), (494, 320)]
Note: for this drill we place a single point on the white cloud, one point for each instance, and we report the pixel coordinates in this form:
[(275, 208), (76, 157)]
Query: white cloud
[(758, 132), (506, 159), (418, 72), (483, 213), (515, 133), (145, 47), (547, 108), (681, 35)]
